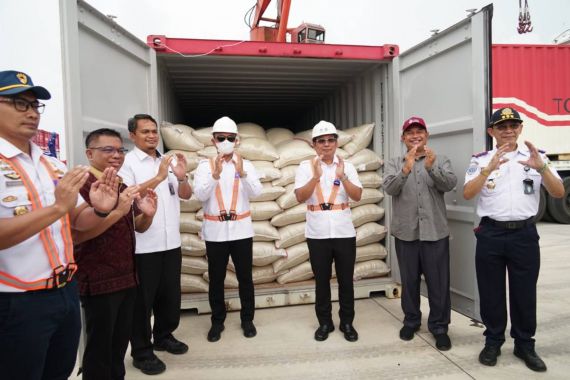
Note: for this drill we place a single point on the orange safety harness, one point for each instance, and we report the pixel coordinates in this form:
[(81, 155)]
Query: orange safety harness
[(330, 205), (61, 274), (224, 216)]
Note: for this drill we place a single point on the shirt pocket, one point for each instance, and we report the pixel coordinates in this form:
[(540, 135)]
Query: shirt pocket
[(14, 201)]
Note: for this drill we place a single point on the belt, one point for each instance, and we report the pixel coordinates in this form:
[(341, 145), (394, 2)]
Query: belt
[(509, 225)]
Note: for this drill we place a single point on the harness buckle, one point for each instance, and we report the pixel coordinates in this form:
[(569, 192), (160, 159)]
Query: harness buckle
[(62, 275), (325, 206), (232, 215), (223, 216)]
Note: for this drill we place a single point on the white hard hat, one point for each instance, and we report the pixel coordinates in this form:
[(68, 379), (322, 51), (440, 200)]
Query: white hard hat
[(324, 128), (225, 124)]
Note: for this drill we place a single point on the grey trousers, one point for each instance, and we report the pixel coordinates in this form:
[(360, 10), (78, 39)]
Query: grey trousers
[(430, 258)]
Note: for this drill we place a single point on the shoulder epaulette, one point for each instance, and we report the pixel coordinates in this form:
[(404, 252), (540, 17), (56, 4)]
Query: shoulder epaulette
[(477, 155)]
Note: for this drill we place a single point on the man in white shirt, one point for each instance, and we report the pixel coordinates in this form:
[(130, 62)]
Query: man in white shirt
[(326, 183), (158, 254), (224, 185)]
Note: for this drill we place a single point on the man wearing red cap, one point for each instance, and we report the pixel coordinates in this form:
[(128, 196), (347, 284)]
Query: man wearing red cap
[(417, 182)]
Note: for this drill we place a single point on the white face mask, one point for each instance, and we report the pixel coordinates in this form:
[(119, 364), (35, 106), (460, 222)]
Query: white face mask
[(225, 147)]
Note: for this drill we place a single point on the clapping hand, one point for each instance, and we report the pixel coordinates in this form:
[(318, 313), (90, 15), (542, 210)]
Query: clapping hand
[(148, 203), (103, 193), (430, 158), (534, 161)]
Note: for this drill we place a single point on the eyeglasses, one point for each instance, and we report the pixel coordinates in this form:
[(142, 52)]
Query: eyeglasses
[(331, 140), (223, 138), (23, 105), (504, 126), (110, 149)]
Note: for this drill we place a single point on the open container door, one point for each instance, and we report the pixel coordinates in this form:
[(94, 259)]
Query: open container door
[(446, 80), (109, 75)]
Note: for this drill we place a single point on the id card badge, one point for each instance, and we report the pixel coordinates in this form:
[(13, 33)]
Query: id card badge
[(528, 186), (171, 188)]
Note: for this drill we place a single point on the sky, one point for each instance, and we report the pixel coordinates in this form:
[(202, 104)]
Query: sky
[(359, 22)]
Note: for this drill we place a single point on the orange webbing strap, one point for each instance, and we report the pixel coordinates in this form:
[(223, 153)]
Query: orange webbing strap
[(332, 196), (339, 206), (223, 213)]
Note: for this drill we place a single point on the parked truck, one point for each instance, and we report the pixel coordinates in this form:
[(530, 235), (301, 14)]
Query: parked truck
[(535, 80), (108, 75)]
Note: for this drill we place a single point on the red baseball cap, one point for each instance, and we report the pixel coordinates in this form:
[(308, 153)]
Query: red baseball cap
[(414, 120)]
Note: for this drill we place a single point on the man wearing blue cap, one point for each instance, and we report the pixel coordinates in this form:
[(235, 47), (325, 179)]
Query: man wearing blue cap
[(39, 204), (507, 180)]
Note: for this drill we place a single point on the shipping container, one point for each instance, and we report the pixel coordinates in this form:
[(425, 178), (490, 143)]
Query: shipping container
[(535, 80), (109, 75)]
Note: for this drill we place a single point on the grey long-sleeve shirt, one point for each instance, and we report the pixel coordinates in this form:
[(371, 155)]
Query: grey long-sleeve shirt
[(418, 207)]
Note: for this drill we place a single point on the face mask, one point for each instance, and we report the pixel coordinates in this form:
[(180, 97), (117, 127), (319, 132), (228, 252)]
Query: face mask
[(225, 147)]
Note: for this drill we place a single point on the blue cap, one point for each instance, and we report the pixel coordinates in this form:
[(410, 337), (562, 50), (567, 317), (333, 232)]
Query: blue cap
[(16, 82), (504, 114)]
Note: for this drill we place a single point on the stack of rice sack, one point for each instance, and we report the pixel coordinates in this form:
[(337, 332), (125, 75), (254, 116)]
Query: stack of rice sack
[(280, 252)]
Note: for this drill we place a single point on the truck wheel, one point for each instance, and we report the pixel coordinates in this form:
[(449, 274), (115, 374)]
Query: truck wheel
[(541, 205), (560, 208)]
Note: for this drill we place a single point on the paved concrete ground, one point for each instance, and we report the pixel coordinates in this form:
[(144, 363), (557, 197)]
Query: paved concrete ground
[(285, 349)]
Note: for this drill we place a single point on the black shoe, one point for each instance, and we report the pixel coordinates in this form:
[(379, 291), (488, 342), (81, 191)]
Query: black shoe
[(150, 366), (322, 333), (248, 328), (350, 333), (442, 342), (531, 359), (171, 345), (488, 355), (407, 332), (215, 333)]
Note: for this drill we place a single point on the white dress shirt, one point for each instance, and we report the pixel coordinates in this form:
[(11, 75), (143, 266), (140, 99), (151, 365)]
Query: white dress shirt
[(502, 196), (332, 223), (205, 191), (164, 232)]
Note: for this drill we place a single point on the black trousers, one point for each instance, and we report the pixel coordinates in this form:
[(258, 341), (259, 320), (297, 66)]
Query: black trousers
[(322, 252), (39, 333), (158, 293), (108, 325), (517, 252), (430, 258), (242, 256)]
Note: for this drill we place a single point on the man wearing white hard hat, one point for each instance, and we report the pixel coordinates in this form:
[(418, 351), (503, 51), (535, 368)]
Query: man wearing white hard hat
[(225, 184), (326, 183)]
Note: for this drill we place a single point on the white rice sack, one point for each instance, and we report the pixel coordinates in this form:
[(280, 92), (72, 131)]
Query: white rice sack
[(287, 176), (292, 215), (370, 233), (189, 224), (278, 135), (266, 171), (293, 152), (264, 231), (366, 213), (374, 251), (208, 152), (191, 283), (368, 196), (342, 153), (200, 215), (370, 268), (296, 255), (343, 137), (247, 130), (365, 160), (361, 138), (269, 193), (291, 235), (204, 135), (263, 275), (288, 199), (299, 273), (370, 179), (264, 210), (192, 245), (230, 282), (254, 148), (265, 253), (192, 159), (179, 136), (194, 265), (190, 205)]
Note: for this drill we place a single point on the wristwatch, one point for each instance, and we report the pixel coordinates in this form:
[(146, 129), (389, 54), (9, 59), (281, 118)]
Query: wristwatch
[(343, 178), (100, 214)]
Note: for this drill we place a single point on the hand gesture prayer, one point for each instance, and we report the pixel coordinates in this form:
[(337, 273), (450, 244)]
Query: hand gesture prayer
[(126, 199), (497, 160), (148, 203), (534, 161), (180, 168), (317, 170), (218, 166), (103, 193), (430, 158), (410, 160), (238, 162), (67, 189), (339, 172)]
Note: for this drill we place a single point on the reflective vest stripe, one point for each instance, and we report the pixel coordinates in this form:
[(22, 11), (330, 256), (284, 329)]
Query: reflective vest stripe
[(333, 194), (220, 200), (14, 282), (216, 218)]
